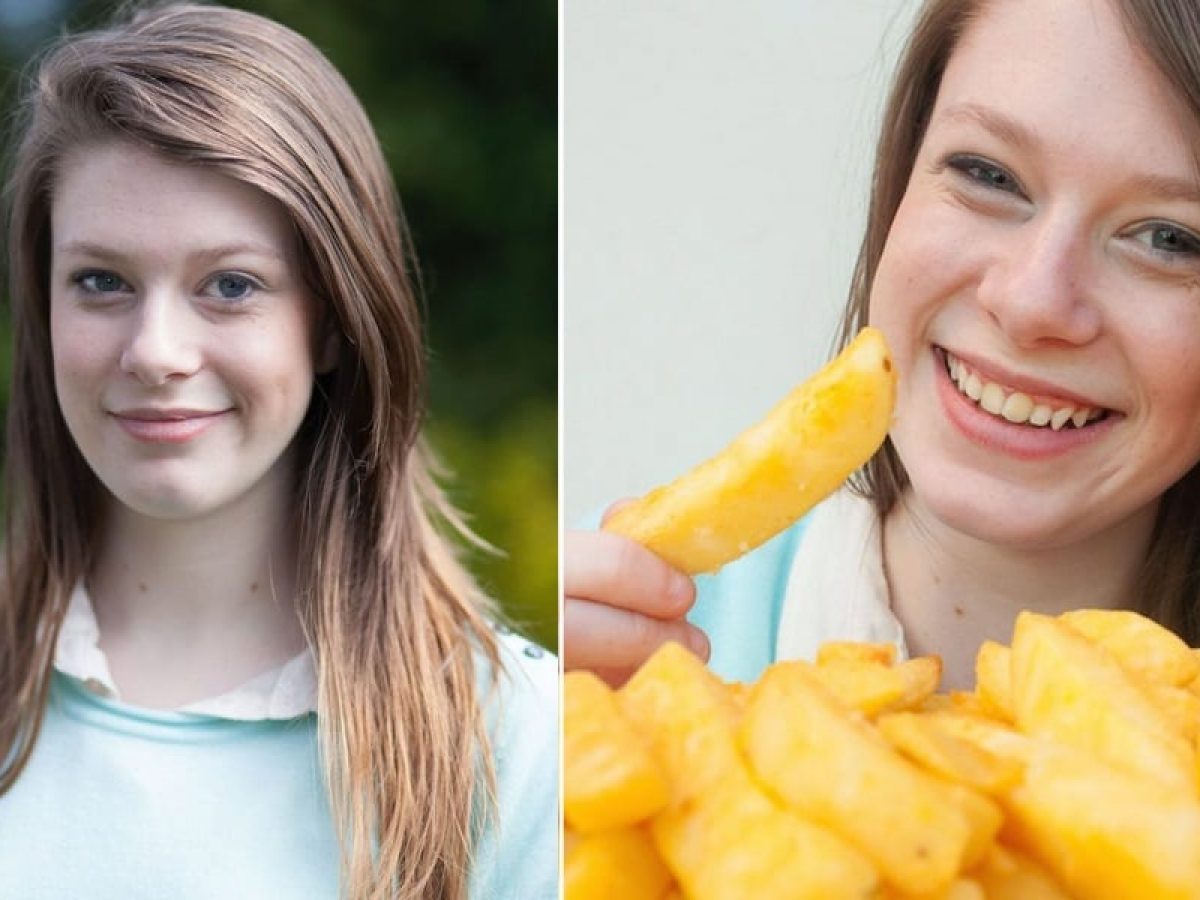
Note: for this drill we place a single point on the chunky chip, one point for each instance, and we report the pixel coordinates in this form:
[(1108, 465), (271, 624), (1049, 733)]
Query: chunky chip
[(610, 778), (774, 472), (845, 778)]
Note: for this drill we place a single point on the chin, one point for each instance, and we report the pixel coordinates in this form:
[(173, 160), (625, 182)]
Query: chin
[(996, 513), (167, 501)]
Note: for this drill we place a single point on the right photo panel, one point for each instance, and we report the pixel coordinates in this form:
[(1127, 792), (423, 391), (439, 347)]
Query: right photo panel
[(881, 449)]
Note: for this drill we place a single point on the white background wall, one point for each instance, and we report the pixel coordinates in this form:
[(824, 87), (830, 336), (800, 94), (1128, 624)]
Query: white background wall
[(716, 161)]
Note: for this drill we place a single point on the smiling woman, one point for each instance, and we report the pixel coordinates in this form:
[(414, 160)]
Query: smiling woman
[(1032, 255), (184, 340), (235, 639)]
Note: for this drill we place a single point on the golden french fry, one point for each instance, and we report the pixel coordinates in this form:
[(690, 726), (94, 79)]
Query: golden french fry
[(961, 889), (868, 687), (1070, 771), (855, 652), (984, 819), (775, 471), (993, 679), (1104, 833), (1194, 684), (920, 675), (1006, 874), (936, 749), (610, 779), (873, 687), (840, 773), (608, 864), (1140, 644), (1068, 690), (732, 842), (1180, 706), (1000, 740), (687, 715)]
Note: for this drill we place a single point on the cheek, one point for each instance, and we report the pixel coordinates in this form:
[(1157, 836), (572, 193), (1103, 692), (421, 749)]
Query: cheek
[(79, 351), (1170, 382), (931, 257), (898, 286), (1157, 337), (276, 363)]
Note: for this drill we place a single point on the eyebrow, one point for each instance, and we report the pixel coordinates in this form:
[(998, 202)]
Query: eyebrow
[(206, 254), (1009, 130)]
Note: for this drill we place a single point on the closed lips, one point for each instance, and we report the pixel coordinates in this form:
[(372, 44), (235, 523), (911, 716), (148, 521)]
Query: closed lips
[(165, 415), (1016, 406)]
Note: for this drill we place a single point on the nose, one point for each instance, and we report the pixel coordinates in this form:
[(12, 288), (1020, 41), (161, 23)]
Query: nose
[(1039, 288), (161, 344)]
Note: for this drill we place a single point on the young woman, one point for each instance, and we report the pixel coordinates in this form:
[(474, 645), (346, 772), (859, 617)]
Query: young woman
[(238, 657), (1033, 257)]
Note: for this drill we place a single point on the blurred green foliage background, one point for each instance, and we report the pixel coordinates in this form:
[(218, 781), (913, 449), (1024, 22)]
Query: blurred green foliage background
[(463, 95)]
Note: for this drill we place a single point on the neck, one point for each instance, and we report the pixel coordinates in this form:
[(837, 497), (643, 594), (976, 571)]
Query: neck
[(952, 591), (190, 608)]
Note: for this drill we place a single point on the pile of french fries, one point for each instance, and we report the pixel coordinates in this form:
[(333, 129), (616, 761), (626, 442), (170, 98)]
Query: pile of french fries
[(1070, 771)]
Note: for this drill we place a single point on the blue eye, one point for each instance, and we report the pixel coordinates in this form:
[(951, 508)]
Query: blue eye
[(1169, 240), (985, 173), (231, 287), (95, 281)]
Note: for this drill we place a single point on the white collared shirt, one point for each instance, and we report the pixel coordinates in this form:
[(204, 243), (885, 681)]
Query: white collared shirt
[(839, 563), (284, 692)]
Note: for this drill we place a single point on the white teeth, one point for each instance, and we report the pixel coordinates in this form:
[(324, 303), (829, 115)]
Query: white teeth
[(993, 398), (1016, 407), (1041, 414)]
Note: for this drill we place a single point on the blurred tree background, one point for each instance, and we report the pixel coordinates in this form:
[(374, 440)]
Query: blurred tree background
[(463, 95)]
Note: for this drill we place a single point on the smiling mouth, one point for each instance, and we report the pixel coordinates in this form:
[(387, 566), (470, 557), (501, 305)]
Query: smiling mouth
[(1015, 406), (166, 426), (165, 415)]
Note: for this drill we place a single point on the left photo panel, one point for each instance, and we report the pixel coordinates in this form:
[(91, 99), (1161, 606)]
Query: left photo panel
[(278, 362)]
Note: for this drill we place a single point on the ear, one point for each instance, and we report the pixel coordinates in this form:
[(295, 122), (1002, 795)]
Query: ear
[(327, 355)]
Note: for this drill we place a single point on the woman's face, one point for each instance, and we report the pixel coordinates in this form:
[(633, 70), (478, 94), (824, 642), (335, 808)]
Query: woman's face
[(182, 337), (1040, 285)]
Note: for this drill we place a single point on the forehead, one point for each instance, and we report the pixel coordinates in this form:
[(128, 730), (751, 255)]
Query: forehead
[(1069, 67), (118, 192)]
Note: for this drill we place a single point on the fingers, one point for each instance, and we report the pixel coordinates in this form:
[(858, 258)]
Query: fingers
[(616, 571), (613, 642)]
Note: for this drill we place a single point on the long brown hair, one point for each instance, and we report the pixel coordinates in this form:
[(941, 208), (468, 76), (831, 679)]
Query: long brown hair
[(397, 626), (1168, 31)]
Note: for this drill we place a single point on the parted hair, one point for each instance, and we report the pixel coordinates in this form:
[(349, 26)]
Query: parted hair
[(1168, 32), (399, 631)]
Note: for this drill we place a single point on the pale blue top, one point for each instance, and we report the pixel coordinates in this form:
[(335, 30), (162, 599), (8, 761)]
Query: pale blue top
[(122, 803), (739, 608)]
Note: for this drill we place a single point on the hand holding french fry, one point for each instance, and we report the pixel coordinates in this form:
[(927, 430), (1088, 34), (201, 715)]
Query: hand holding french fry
[(621, 601)]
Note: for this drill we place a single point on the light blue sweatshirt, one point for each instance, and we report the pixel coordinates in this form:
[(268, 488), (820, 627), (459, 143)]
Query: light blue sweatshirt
[(123, 803)]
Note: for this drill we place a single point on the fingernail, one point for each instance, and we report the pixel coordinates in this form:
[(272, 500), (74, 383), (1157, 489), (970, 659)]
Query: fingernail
[(698, 641)]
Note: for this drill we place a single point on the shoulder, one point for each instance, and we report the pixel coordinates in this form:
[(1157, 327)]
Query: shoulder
[(517, 855), (531, 669), (522, 696), (523, 705)]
